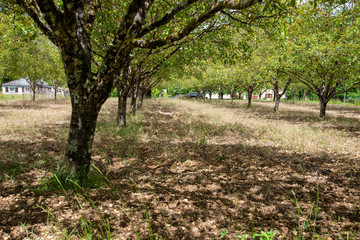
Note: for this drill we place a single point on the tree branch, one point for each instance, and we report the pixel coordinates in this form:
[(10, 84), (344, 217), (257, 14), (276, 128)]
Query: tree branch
[(166, 18), (196, 22), (35, 16)]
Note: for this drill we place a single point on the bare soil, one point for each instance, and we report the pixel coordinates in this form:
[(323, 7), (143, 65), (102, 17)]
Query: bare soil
[(180, 171)]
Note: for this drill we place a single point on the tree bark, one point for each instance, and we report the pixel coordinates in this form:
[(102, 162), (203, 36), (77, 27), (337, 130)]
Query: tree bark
[(2, 81), (277, 102), (220, 92), (232, 96), (55, 93), (197, 94), (133, 101), (122, 101), (249, 93), (210, 95), (323, 104), (278, 94), (293, 95), (81, 136), (34, 92), (141, 99)]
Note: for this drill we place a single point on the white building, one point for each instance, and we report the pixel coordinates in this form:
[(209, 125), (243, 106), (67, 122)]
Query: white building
[(269, 95), (22, 86)]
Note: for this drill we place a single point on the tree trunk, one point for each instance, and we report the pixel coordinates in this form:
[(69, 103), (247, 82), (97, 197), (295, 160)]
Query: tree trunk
[(232, 96), (220, 91), (34, 92), (141, 99), (197, 94), (210, 95), (323, 104), (277, 102), (81, 136), (133, 101), (2, 81), (122, 100), (204, 93), (55, 94), (249, 93), (293, 96), (276, 95)]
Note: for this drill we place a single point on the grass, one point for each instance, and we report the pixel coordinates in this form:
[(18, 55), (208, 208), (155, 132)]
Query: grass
[(195, 169), (27, 97), (15, 96)]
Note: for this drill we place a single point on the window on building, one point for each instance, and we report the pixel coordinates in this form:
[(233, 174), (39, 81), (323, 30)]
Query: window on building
[(268, 95), (27, 89), (12, 89)]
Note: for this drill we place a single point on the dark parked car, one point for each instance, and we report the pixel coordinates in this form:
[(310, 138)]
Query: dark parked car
[(195, 95)]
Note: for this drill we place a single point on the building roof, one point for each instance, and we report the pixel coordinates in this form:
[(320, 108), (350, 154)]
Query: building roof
[(22, 82)]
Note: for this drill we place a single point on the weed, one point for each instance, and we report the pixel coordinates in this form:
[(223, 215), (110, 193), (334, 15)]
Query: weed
[(223, 234), (265, 235), (29, 234), (63, 181), (307, 224), (152, 235), (270, 235)]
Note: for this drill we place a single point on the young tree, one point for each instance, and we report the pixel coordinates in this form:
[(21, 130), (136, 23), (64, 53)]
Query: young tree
[(33, 61), (124, 86), (53, 67), (279, 91), (324, 51), (14, 31), (294, 88), (252, 75)]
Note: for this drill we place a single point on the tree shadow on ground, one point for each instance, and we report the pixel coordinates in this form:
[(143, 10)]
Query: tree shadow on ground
[(190, 187), (208, 185), (253, 187), (310, 115)]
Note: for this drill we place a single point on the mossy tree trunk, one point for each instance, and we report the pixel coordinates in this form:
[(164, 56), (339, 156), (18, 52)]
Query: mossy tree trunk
[(133, 100), (122, 102), (141, 98)]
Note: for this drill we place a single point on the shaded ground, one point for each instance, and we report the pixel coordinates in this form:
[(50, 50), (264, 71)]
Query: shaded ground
[(189, 170)]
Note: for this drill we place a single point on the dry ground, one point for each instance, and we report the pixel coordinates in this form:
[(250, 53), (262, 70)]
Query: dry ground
[(185, 170)]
